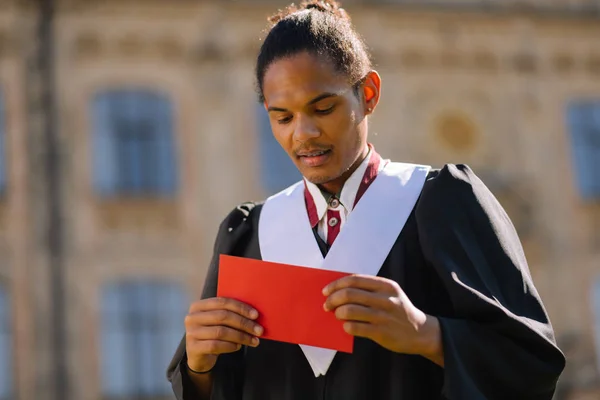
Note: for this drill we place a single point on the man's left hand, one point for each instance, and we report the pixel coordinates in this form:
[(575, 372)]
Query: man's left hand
[(378, 309)]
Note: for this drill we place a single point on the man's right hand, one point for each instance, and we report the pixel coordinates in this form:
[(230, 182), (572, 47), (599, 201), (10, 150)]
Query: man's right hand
[(216, 326)]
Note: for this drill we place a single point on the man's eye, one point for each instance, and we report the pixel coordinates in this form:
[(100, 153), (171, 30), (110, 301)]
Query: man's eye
[(325, 110), (284, 120)]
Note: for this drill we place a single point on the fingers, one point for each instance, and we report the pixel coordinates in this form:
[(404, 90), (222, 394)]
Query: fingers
[(223, 334), (352, 312), (360, 297), (221, 303), (211, 347), (222, 318), (362, 329), (217, 326), (220, 325), (364, 282)]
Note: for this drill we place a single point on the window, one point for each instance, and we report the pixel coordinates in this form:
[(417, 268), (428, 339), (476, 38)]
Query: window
[(276, 168), (133, 144), (5, 347), (584, 127), (142, 325)]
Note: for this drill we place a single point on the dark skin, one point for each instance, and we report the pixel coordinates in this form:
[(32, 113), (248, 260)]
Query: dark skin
[(378, 309), (313, 107), (320, 121)]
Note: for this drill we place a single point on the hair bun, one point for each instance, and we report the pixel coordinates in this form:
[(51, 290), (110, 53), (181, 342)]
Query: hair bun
[(326, 6)]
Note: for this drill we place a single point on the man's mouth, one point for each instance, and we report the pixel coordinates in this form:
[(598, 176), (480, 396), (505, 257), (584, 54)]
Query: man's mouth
[(314, 158), (314, 153)]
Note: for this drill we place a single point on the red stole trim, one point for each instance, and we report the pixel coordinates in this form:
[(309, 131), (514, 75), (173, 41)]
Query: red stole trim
[(333, 231), (311, 207), (369, 176)]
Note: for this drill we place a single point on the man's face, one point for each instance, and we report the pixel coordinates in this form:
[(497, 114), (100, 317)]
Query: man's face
[(315, 116)]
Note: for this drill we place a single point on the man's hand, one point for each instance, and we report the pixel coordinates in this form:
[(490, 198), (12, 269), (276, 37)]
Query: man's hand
[(378, 309), (216, 326)]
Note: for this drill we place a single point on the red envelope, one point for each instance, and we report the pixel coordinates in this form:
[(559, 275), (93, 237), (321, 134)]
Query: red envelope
[(289, 300)]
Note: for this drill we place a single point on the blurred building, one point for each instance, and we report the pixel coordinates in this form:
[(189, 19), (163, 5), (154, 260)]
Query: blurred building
[(161, 136)]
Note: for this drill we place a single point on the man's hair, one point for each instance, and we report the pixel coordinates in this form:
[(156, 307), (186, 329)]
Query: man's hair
[(321, 28)]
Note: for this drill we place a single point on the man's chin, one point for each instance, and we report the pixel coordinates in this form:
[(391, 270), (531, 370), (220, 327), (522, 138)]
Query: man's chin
[(318, 179)]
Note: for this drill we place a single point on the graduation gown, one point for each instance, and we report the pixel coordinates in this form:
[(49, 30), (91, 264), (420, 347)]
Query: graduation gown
[(458, 258)]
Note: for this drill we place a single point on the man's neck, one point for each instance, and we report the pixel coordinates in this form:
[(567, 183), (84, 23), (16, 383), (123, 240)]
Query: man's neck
[(334, 187)]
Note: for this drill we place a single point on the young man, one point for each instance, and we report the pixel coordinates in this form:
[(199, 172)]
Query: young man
[(441, 302)]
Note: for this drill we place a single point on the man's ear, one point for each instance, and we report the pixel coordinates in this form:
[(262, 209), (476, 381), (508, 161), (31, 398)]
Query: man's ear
[(371, 90)]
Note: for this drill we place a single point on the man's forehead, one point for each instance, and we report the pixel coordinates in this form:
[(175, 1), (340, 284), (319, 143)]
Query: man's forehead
[(304, 94), (302, 77)]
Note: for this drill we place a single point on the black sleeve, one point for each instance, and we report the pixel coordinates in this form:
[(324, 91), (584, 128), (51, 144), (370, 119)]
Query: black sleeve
[(233, 235), (498, 341)]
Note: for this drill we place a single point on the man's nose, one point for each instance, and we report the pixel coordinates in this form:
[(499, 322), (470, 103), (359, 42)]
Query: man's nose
[(305, 129)]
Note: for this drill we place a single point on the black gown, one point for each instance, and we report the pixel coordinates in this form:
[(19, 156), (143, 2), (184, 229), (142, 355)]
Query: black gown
[(457, 258)]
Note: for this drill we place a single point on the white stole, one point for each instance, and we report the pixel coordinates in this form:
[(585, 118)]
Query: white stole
[(361, 247)]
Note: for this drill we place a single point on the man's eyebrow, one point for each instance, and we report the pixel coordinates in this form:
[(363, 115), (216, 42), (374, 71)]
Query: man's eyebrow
[(320, 97)]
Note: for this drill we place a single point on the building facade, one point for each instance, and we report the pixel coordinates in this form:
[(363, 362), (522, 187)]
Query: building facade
[(161, 136)]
